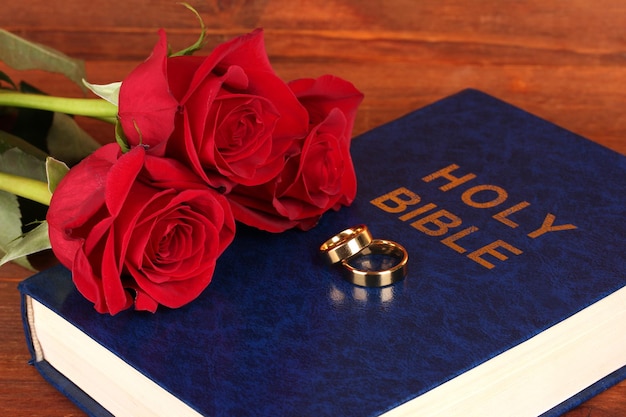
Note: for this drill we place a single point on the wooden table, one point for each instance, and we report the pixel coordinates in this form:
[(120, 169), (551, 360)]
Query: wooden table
[(562, 60)]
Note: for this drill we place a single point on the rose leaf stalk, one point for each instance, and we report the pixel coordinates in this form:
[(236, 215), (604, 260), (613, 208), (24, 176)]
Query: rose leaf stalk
[(25, 187), (91, 107)]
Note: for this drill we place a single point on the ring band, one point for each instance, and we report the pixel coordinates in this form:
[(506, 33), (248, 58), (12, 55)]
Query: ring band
[(379, 278), (346, 243)]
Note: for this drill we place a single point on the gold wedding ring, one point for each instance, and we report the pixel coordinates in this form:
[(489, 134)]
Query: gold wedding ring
[(346, 243), (378, 277)]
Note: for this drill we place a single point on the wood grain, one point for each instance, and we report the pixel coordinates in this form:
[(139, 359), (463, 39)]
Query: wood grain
[(562, 60)]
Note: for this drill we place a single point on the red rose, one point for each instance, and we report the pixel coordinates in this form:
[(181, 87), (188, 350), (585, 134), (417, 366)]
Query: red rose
[(321, 176), (134, 228), (228, 115)]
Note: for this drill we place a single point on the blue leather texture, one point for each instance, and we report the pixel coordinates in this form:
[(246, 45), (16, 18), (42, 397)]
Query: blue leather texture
[(280, 332)]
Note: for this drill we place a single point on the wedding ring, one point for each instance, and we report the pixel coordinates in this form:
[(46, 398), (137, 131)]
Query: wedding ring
[(346, 243), (375, 273)]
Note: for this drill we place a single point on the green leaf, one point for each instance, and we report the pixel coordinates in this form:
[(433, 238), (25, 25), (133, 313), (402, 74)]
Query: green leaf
[(201, 40), (8, 141), (16, 162), (10, 225), (109, 92), (67, 141), (34, 241), (55, 171), (13, 246), (21, 54)]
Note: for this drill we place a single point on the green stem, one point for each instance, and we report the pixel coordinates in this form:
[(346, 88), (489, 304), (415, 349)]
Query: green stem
[(25, 187), (91, 107)]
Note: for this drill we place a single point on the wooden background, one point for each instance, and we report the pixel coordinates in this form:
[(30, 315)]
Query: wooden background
[(562, 60)]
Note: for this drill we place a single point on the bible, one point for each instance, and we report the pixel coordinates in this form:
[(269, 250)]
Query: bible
[(514, 302)]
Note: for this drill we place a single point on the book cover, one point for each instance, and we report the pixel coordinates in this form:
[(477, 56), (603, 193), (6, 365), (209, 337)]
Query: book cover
[(512, 226)]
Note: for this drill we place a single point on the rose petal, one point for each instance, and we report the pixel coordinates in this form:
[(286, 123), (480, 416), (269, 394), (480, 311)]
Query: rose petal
[(319, 96), (76, 200), (146, 105), (121, 177), (116, 297), (247, 50)]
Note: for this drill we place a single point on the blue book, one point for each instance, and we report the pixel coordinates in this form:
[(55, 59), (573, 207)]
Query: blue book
[(514, 303)]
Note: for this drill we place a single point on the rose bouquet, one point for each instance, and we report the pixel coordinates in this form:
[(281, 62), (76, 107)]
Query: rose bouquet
[(202, 142)]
